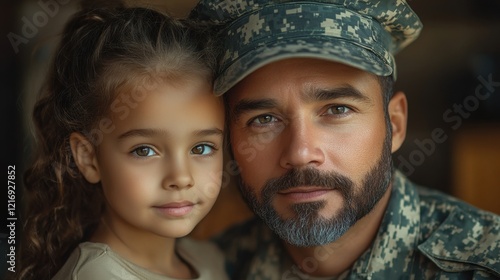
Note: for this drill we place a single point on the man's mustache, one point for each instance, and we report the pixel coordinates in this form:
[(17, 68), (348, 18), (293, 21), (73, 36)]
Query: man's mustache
[(305, 177)]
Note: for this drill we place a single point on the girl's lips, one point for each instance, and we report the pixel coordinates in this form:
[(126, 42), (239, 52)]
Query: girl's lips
[(176, 204), (175, 209)]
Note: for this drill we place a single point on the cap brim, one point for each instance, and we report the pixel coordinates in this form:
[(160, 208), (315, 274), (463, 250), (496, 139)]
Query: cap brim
[(320, 47)]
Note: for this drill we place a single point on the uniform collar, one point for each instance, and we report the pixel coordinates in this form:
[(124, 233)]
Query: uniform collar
[(397, 238)]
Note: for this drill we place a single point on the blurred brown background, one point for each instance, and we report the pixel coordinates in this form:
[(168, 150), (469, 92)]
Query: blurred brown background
[(453, 140)]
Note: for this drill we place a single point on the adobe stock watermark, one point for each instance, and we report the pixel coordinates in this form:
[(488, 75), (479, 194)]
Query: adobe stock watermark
[(308, 264), (121, 106), (453, 117), (258, 142), (30, 26), (212, 190)]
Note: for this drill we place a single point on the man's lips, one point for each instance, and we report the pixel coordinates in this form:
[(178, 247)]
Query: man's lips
[(175, 209), (304, 189), (304, 193)]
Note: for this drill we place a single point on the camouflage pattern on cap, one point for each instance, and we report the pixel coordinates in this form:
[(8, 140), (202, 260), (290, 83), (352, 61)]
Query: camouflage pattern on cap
[(363, 34)]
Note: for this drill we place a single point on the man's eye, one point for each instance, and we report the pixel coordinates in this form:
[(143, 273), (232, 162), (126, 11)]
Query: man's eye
[(263, 119), (203, 149), (143, 151), (338, 110)]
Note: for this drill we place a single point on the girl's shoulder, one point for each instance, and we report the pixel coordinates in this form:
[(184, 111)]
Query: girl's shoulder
[(88, 261), (91, 261)]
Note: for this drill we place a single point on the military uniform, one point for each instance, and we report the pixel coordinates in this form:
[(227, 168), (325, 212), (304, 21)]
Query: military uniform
[(424, 234)]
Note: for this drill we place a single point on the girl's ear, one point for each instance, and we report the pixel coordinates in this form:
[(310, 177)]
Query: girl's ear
[(398, 113), (85, 157)]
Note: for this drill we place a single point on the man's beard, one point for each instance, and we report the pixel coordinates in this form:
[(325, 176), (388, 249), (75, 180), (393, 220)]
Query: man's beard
[(307, 228)]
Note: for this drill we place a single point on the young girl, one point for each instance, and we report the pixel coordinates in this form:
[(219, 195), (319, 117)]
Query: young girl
[(129, 152)]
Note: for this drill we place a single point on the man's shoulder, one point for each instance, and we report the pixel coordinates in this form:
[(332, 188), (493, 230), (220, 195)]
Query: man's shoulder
[(244, 243), (437, 207), (247, 233), (456, 235), (435, 202)]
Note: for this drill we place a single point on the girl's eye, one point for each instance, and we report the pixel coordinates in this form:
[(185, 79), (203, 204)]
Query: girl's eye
[(338, 110), (263, 119), (203, 149), (144, 151)]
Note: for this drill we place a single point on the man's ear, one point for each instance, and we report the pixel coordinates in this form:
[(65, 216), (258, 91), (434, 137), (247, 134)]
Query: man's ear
[(85, 158), (398, 114)]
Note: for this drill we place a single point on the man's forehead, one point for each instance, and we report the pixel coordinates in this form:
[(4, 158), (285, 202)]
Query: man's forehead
[(308, 74)]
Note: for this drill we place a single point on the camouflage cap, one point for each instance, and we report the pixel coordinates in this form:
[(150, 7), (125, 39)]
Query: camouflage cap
[(364, 33)]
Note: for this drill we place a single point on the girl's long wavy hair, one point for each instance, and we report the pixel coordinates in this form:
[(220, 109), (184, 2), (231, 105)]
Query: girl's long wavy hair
[(102, 50)]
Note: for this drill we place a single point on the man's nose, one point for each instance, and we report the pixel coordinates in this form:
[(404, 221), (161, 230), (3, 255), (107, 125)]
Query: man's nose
[(301, 147)]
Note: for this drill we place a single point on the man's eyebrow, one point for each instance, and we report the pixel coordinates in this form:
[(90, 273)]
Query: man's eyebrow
[(324, 94), (246, 105), (151, 132), (313, 94)]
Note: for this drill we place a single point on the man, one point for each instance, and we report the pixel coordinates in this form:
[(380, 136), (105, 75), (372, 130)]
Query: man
[(313, 122)]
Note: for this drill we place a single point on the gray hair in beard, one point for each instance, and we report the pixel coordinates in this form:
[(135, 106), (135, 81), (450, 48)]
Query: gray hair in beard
[(307, 228)]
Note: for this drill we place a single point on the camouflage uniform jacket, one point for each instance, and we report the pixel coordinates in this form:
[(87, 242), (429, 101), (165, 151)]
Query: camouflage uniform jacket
[(424, 234)]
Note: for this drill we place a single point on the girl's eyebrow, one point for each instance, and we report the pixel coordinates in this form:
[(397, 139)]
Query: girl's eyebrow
[(143, 132), (151, 132), (209, 132)]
